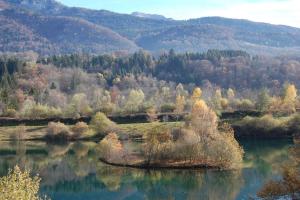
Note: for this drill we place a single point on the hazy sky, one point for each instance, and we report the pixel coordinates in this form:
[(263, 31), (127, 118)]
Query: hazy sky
[(272, 11)]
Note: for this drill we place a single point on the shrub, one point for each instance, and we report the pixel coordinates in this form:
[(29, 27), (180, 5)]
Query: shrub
[(157, 146), (59, 131), (10, 112), (266, 125), (19, 185), (101, 124), (35, 111), (79, 129), (246, 104), (111, 149), (170, 107)]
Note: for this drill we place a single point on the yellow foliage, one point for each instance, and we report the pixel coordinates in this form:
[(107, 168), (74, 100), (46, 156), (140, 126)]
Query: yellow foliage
[(196, 94), (224, 103), (180, 103), (18, 185), (230, 94)]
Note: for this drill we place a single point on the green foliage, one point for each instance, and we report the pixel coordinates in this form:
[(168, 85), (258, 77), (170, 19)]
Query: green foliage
[(168, 107), (18, 185), (134, 101), (263, 100), (269, 126)]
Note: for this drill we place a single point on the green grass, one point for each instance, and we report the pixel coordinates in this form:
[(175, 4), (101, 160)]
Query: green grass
[(142, 128), (133, 130)]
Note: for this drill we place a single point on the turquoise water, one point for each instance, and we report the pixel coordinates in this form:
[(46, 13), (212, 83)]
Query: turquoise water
[(73, 171)]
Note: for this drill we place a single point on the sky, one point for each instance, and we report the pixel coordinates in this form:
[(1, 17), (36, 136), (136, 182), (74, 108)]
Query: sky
[(286, 12)]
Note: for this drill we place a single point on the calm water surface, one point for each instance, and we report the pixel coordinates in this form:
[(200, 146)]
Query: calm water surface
[(73, 172)]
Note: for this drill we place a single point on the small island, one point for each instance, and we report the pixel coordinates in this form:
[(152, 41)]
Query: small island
[(198, 144)]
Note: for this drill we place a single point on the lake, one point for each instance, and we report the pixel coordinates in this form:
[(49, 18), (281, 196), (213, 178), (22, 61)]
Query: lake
[(73, 172)]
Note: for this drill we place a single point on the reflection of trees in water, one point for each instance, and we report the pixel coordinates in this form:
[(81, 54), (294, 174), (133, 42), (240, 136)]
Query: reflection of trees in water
[(266, 156), (110, 176), (173, 184), (61, 163), (75, 168)]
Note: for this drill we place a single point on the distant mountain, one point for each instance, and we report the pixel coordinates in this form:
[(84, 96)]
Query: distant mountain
[(150, 16), (49, 27)]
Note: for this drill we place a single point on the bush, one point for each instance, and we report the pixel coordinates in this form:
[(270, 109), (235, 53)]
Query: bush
[(168, 108), (111, 149), (19, 185), (35, 111), (79, 129), (245, 104), (265, 126), (101, 124), (59, 131), (10, 113)]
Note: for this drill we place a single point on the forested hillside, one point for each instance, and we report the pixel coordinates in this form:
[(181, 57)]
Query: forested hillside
[(80, 30), (80, 84)]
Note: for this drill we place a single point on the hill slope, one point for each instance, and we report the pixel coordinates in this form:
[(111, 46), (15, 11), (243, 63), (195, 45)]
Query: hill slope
[(101, 31)]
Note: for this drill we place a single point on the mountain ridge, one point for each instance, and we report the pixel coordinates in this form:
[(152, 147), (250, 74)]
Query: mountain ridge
[(107, 31)]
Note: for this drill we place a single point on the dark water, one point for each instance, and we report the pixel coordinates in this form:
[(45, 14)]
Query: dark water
[(73, 172)]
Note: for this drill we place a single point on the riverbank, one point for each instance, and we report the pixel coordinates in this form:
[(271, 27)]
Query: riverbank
[(120, 119)]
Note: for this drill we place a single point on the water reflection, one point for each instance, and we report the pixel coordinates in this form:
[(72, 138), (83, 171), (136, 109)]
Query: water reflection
[(73, 171)]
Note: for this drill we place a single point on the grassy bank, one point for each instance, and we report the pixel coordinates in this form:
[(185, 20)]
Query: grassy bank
[(251, 127), (134, 131), (267, 126)]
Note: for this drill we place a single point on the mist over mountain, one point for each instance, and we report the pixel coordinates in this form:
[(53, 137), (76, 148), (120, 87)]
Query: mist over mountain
[(49, 27)]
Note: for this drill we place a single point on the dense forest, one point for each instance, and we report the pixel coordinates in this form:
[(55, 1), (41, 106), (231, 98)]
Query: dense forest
[(81, 84), (228, 68)]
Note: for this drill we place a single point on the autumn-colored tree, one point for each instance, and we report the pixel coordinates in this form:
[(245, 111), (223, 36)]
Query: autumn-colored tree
[(203, 119), (217, 100), (289, 99), (197, 92), (111, 149), (180, 104), (151, 114), (134, 101), (19, 184), (230, 94)]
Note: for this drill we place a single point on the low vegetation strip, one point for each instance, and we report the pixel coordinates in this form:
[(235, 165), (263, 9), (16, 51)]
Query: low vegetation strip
[(267, 126), (120, 119)]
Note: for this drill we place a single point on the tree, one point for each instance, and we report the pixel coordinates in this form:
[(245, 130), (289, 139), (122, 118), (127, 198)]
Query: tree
[(180, 104), (217, 100), (203, 119), (79, 106), (289, 99), (19, 185), (263, 100), (134, 101), (151, 114), (196, 94), (111, 149)]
